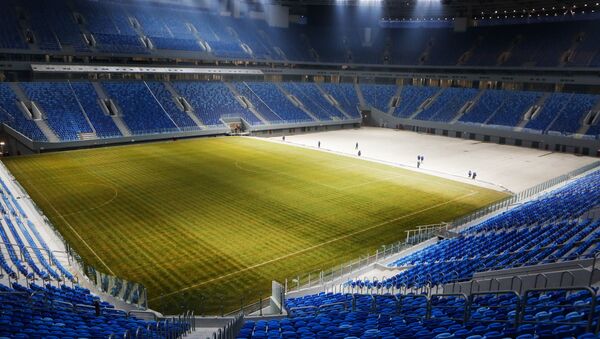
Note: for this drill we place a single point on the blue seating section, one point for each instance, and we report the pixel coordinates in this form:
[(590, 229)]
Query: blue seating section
[(570, 117), (62, 110), (411, 97), (10, 36), (276, 101), (447, 104), (64, 312), (103, 124), (150, 106), (543, 314), (12, 115), (166, 101), (139, 108), (212, 100), (313, 99), (514, 107), (379, 96), (529, 234), (117, 28), (346, 96)]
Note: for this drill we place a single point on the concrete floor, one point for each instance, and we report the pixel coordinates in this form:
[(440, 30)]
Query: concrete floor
[(498, 166)]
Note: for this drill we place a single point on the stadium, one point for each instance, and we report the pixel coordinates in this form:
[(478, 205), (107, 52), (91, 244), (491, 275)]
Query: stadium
[(300, 169)]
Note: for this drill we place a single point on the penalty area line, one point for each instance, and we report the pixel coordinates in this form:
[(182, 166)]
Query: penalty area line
[(312, 247)]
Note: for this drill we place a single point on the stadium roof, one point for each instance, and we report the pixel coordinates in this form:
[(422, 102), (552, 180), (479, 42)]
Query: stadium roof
[(458, 8)]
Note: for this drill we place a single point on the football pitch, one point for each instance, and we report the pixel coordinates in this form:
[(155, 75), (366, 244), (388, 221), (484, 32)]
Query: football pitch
[(210, 221)]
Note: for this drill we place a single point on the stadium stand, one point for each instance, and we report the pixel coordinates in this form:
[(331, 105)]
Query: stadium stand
[(139, 107), (62, 312), (379, 96), (63, 112), (73, 108), (14, 117), (117, 28), (529, 234), (312, 98), (345, 95), (212, 100)]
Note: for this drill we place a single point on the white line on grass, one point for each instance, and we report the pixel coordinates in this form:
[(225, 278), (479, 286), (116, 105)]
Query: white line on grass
[(314, 246), (69, 225)]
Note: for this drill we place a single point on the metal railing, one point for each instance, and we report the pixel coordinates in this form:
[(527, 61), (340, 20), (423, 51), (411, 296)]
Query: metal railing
[(516, 311), (521, 196), (231, 329)]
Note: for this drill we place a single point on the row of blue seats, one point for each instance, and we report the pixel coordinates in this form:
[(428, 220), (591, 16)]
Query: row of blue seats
[(15, 225), (63, 312), (538, 314)]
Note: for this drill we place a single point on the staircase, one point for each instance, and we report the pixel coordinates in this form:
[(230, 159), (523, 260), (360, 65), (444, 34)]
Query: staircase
[(590, 119), (532, 112), (188, 109), (467, 107), (392, 108), (298, 104), (121, 125), (246, 103), (41, 122), (428, 102), (361, 98), (92, 135)]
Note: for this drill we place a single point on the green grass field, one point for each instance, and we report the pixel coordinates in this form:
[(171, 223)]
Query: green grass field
[(206, 219)]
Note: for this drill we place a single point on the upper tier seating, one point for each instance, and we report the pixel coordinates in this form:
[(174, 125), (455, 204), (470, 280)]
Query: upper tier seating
[(118, 27)]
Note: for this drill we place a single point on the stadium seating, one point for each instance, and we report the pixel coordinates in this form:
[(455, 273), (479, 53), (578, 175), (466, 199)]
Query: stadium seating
[(104, 125), (63, 112), (64, 312), (276, 101), (313, 99), (346, 97), (117, 28), (446, 105), (527, 235), (73, 108), (411, 97), (166, 101), (12, 115), (545, 314), (379, 96), (139, 108), (213, 100)]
